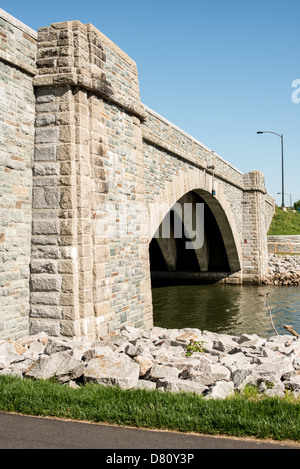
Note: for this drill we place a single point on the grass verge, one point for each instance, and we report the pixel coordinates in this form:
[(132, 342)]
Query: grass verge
[(240, 415), (285, 223)]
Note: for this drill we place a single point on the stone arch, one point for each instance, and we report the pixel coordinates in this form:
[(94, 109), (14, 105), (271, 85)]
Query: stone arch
[(200, 182)]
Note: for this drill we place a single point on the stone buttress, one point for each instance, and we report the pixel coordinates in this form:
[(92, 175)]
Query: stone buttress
[(87, 278), (88, 174)]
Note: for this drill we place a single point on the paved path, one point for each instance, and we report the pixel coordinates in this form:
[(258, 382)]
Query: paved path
[(24, 432)]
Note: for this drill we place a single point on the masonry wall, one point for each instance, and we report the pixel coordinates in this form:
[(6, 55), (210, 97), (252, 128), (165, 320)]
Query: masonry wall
[(17, 112), (83, 162), (90, 274), (255, 208), (168, 149)]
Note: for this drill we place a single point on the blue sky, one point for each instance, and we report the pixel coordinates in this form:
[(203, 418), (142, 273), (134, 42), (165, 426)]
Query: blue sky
[(219, 69)]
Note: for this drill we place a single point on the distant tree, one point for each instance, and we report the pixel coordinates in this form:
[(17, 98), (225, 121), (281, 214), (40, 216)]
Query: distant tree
[(297, 205)]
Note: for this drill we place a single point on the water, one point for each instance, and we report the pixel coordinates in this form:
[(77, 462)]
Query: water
[(230, 309)]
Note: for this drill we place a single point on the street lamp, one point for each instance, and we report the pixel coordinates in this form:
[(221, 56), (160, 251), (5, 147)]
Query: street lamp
[(281, 136), (290, 195)]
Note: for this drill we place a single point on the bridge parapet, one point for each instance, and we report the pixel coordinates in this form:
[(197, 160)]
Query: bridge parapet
[(159, 131), (79, 54)]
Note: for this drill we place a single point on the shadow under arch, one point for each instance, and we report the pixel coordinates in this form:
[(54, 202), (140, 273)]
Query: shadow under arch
[(222, 218), (221, 250)]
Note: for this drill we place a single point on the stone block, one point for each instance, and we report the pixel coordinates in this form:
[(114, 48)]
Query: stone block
[(47, 266), (42, 298), (44, 120), (69, 283), (67, 266), (45, 252), (65, 152), (67, 198), (67, 134), (45, 227), (46, 283), (45, 153), (46, 169), (46, 312), (47, 135), (45, 198), (49, 326)]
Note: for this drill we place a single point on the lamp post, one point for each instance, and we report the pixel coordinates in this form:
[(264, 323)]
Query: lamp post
[(290, 195), (282, 171)]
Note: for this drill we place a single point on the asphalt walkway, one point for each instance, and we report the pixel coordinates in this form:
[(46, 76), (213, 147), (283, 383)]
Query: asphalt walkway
[(25, 432)]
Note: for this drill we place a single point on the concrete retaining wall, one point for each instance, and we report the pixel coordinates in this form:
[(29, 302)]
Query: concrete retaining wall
[(284, 244)]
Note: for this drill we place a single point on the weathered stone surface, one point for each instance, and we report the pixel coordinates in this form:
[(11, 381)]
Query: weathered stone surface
[(109, 370), (270, 364), (219, 390), (61, 366), (208, 374), (225, 344), (8, 354), (235, 361), (17, 111), (242, 377), (55, 346), (163, 372), (144, 363), (180, 385), (59, 96), (283, 270)]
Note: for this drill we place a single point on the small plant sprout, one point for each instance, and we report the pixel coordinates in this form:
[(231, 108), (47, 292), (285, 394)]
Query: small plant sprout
[(194, 346)]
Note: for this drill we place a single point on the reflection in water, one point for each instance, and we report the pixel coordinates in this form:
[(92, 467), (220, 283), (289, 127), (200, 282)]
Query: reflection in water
[(230, 309)]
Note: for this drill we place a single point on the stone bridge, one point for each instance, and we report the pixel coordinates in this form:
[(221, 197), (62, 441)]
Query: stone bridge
[(91, 176)]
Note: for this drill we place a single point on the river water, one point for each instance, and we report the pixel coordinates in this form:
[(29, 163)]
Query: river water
[(230, 309)]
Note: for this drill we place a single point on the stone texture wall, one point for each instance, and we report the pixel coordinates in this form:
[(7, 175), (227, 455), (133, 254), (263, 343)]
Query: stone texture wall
[(176, 163), (89, 274), (255, 255), (168, 149), (17, 101), (98, 165), (269, 211)]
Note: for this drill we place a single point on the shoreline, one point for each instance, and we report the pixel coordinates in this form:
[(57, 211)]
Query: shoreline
[(218, 366), (283, 270)]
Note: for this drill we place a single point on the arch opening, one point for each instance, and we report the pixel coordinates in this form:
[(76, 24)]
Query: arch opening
[(178, 259)]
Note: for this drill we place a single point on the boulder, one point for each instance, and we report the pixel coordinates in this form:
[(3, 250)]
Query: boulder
[(219, 390), (207, 374), (17, 368), (163, 372), (112, 370), (61, 366), (144, 363), (10, 353), (177, 385), (242, 377), (225, 344), (156, 359)]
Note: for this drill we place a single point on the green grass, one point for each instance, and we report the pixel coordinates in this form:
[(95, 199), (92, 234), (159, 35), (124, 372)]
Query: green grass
[(241, 415), (285, 223)]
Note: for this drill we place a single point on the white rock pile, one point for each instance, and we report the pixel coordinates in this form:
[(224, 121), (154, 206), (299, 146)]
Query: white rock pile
[(283, 270), (134, 358)]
